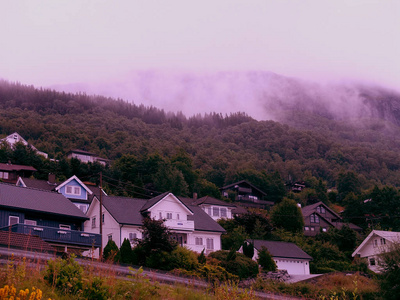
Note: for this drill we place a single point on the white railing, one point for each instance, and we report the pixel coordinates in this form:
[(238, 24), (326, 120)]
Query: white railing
[(180, 224)]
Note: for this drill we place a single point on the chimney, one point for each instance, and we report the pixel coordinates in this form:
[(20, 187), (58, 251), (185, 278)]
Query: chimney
[(194, 196), (52, 178), (299, 205)]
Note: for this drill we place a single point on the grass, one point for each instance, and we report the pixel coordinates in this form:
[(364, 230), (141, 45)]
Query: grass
[(29, 280)]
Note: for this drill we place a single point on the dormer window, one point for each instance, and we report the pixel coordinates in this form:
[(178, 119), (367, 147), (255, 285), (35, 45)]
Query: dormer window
[(72, 190), (321, 209)]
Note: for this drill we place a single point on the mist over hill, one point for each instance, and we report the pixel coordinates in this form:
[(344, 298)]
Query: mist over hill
[(262, 95)]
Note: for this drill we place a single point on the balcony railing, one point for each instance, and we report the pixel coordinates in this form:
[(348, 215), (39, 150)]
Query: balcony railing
[(187, 225), (58, 235)]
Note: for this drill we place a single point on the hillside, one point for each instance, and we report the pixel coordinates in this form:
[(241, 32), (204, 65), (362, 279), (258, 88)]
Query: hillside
[(220, 148)]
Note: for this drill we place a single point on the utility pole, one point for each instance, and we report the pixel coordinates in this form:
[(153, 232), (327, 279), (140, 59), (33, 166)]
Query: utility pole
[(101, 217)]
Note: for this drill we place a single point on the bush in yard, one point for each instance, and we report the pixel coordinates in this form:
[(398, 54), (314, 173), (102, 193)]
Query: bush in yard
[(183, 258), (139, 255), (125, 252), (111, 251), (265, 260), (64, 274), (202, 258), (241, 265), (95, 289)]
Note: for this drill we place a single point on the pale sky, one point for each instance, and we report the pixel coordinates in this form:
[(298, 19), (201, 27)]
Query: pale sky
[(50, 42)]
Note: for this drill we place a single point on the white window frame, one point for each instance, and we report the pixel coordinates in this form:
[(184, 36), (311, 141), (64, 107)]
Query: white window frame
[(210, 244), (30, 222), (169, 216), (215, 211), (13, 217), (73, 190), (132, 237), (198, 241), (223, 212)]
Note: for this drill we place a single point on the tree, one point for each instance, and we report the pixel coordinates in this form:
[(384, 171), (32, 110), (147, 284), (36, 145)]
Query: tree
[(390, 281), (265, 260), (111, 251), (156, 236), (287, 215), (125, 252), (348, 182), (248, 249)]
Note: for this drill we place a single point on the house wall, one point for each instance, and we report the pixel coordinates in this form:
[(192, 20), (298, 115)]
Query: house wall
[(312, 229), (169, 205), (41, 220), (371, 251), (83, 194), (204, 235), (82, 157), (209, 209)]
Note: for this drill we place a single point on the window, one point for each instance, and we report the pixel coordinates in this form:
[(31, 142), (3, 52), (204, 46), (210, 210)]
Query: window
[(132, 237), (82, 208), (209, 211), (102, 218), (169, 216), (177, 216), (324, 229), (94, 222), (312, 228), (321, 209), (223, 212), (199, 241), (383, 241), (65, 227), (12, 220), (109, 237), (72, 190), (372, 261), (306, 228), (4, 175), (160, 216), (210, 244), (215, 212), (314, 218), (375, 243), (30, 222)]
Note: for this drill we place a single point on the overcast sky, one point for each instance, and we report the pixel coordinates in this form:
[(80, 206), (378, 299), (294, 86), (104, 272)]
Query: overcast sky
[(59, 42)]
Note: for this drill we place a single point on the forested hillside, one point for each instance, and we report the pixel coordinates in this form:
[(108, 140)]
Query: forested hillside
[(154, 149)]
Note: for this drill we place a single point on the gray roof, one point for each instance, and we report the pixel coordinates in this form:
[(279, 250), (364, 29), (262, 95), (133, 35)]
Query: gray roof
[(281, 249), (125, 210), (212, 201), (129, 211), (15, 197), (151, 202), (39, 184), (309, 209), (11, 167)]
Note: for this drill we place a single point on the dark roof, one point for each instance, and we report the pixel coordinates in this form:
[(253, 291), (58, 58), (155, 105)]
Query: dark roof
[(202, 221), (11, 167), (12, 196), (39, 184), (281, 249), (309, 209), (124, 210), (24, 242), (241, 182), (239, 210), (151, 202), (212, 201), (128, 211), (78, 151)]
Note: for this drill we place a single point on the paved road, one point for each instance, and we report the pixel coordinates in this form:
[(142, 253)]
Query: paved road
[(123, 272)]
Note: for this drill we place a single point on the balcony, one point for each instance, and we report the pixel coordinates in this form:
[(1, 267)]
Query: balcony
[(186, 225), (57, 235)]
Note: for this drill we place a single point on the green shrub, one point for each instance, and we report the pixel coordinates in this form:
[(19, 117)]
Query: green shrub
[(248, 249), (202, 258), (111, 251), (215, 273), (241, 265), (95, 289), (64, 274), (125, 252), (265, 260), (139, 255), (183, 258)]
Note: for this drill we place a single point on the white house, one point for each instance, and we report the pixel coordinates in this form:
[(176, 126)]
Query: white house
[(287, 256), (123, 218), (215, 208), (86, 157), (14, 138), (377, 242)]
